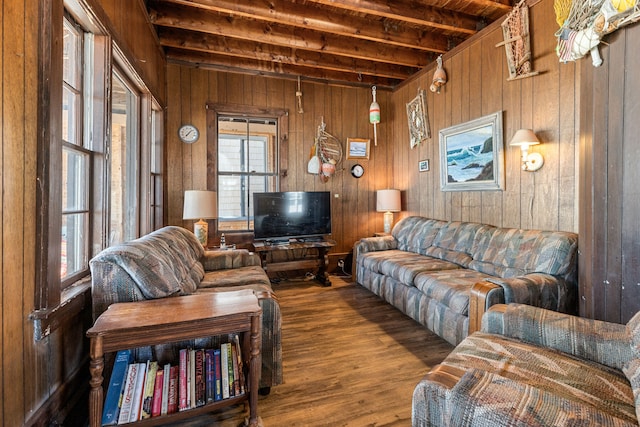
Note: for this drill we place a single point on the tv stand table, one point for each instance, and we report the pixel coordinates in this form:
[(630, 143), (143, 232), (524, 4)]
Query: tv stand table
[(318, 260)]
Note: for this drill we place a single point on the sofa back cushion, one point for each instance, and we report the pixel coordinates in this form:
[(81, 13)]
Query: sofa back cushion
[(510, 252), (454, 242), (162, 263), (416, 234)]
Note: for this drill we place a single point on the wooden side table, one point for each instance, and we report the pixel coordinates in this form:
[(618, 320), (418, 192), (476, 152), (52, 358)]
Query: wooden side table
[(138, 324)]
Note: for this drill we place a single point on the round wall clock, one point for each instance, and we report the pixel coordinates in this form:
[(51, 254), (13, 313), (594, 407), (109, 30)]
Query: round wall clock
[(357, 170), (188, 133)]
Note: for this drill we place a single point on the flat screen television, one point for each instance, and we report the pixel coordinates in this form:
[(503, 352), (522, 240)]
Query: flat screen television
[(280, 216)]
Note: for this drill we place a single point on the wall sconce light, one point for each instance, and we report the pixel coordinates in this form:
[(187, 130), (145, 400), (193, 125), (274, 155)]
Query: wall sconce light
[(200, 205), (524, 138), (374, 115), (388, 201)]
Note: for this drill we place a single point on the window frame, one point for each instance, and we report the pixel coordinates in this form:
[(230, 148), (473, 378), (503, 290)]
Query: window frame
[(54, 305), (214, 110)]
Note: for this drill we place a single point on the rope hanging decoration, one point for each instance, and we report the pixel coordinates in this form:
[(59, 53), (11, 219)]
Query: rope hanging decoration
[(586, 22), (330, 152), (515, 29)]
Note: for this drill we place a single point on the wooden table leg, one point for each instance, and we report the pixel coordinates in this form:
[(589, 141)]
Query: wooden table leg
[(323, 262), (255, 366), (96, 395)]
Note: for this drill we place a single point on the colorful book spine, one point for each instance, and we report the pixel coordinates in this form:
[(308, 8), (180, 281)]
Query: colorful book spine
[(191, 379), (136, 402), (234, 366), (147, 393), (172, 405), (127, 397), (156, 405), (199, 377), (182, 395), (113, 399), (164, 409), (224, 369), (210, 375), (218, 377), (230, 369), (236, 341)]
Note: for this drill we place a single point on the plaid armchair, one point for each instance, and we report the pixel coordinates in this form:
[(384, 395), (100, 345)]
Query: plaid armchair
[(534, 367)]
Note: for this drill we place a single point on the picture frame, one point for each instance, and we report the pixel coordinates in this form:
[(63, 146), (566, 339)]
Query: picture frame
[(423, 165), (472, 155), (418, 119), (358, 148)]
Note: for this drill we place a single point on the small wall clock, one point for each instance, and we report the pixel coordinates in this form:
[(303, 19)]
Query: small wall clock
[(357, 170), (188, 133)]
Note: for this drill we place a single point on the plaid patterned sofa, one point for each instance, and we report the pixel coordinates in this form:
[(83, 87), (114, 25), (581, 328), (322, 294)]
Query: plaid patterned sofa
[(171, 262), (534, 367), (445, 275)]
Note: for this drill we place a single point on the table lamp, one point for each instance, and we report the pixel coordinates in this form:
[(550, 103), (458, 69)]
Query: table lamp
[(200, 205), (388, 201)]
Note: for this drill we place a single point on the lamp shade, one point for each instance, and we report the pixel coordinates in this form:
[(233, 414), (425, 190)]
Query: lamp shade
[(524, 137), (200, 204), (388, 201)]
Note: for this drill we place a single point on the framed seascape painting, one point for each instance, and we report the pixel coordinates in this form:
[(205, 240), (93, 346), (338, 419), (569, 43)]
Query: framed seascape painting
[(358, 148), (472, 155)]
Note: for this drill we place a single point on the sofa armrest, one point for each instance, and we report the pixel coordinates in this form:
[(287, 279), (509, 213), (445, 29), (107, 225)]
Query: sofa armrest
[(371, 244), (231, 258), (540, 290), (602, 342), (482, 296)]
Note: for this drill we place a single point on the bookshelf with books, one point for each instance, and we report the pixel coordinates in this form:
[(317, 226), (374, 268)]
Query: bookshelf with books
[(190, 386)]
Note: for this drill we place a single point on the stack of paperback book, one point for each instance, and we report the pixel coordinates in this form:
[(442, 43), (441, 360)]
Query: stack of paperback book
[(139, 390)]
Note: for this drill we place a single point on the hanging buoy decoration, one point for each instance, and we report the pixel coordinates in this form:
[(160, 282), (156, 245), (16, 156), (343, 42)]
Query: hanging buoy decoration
[(374, 115)]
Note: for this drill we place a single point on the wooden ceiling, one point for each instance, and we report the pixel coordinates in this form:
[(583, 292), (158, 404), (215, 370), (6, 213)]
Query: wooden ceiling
[(353, 42)]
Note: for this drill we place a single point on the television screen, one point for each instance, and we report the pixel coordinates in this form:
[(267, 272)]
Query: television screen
[(291, 214)]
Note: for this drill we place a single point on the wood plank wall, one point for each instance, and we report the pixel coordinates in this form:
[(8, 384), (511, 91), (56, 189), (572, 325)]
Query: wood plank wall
[(477, 86), (346, 114), (18, 94), (37, 379), (609, 193)]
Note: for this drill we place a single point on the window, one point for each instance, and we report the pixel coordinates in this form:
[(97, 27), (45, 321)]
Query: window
[(100, 163), (124, 160), (246, 154), (156, 190), (76, 161), (247, 163)]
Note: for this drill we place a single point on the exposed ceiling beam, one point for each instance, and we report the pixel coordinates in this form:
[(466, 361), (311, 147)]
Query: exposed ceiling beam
[(214, 44), (321, 18), (253, 67), (281, 35), (427, 13)]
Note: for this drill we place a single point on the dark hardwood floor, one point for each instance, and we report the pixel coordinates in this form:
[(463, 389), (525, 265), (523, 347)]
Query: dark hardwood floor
[(350, 359)]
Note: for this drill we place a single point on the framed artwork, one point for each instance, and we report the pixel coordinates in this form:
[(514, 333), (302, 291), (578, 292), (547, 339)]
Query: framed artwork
[(358, 148), (418, 119), (423, 165), (472, 155)]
